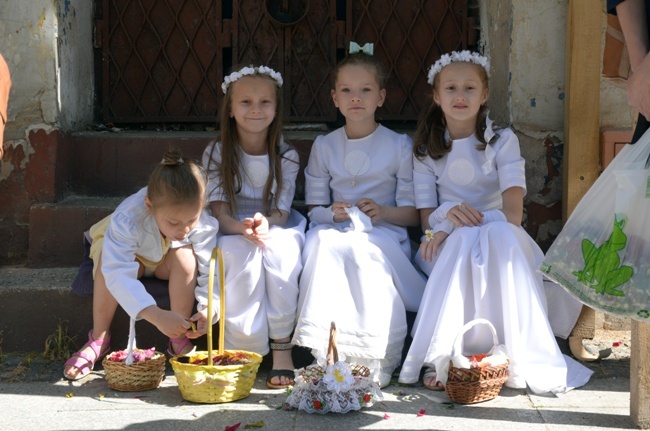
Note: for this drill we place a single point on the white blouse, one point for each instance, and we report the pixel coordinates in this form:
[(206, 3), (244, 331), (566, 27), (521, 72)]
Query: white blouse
[(466, 174)]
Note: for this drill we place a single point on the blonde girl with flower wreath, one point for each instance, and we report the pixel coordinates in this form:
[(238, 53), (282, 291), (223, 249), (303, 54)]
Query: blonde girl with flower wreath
[(253, 176), (470, 183), (163, 231), (357, 268)]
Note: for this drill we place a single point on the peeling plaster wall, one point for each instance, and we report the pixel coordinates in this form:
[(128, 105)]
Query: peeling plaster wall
[(27, 41), (48, 47)]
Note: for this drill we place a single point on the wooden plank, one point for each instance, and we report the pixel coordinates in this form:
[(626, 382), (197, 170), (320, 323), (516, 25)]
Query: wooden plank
[(582, 101), (640, 375), (581, 117)]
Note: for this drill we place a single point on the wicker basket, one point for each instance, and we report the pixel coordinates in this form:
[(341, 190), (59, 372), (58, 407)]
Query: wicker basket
[(215, 383), (139, 376), (474, 385)]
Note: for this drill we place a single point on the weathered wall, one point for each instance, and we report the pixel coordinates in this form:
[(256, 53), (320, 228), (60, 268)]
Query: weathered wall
[(526, 43), (48, 47)]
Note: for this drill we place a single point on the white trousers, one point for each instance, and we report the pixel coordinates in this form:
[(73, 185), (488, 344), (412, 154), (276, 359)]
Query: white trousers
[(262, 285)]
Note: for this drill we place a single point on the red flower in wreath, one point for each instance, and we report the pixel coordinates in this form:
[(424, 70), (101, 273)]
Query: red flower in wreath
[(318, 405), (367, 398)]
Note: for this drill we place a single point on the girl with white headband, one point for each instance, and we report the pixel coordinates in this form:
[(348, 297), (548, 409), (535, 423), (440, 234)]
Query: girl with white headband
[(358, 271), (470, 183), (253, 174)]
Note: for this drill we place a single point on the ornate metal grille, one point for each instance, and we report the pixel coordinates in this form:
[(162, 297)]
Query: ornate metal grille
[(164, 60)]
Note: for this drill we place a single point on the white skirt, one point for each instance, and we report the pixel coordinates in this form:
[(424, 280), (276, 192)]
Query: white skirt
[(364, 282), (262, 285), (491, 272)]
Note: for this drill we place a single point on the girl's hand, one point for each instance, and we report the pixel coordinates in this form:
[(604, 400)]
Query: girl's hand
[(371, 208), (249, 227), (465, 215), (429, 247), (168, 322), (201, 321), (260, 226), (338, 208)]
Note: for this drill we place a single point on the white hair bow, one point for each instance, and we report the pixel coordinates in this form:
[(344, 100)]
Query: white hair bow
[(368, 48)]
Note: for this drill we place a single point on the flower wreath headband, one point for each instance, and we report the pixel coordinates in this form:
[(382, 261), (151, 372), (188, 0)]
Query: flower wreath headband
[(250, 70), (456, 56)]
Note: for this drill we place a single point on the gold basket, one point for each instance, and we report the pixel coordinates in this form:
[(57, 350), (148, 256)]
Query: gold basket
[(139, 376), (215, 383), (475, 385)]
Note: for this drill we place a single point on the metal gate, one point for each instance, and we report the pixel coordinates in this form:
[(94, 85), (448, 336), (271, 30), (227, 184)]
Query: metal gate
[(163, 60)]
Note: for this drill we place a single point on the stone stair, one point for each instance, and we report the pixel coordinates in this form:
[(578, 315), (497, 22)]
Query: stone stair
[(34, 302)]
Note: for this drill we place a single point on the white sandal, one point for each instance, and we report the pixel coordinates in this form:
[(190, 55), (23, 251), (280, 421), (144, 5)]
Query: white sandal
[(431, 372)]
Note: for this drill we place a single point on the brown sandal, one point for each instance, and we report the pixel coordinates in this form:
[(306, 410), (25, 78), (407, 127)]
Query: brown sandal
[(280, 373)]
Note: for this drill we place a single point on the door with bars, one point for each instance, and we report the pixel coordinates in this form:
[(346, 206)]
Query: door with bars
[(163, 61)]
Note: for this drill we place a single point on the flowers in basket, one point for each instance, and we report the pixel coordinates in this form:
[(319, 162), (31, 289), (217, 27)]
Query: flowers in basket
[(339, 388), (483, 360), (227, 358), (134, 370), (138, 355)]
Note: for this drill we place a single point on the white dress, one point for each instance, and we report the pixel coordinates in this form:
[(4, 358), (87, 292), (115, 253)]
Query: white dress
[(261, 282), (487, 271), (363, 281)]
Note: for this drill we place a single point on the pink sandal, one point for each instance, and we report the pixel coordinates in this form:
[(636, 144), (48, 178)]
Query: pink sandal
[(181, 344), (82, 361)]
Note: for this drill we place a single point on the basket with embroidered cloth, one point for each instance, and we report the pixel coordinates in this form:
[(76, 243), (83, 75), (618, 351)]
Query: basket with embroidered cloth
[(226, 377), (339, 387), (476, 378)]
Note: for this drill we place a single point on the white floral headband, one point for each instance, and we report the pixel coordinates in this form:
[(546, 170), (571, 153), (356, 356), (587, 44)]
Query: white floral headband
[(455, 56), (250, 70)]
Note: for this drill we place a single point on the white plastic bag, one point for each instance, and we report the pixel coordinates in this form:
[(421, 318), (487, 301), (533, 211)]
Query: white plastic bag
[(602, 255)]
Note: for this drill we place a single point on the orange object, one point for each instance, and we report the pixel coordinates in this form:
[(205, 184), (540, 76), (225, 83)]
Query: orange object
[(5, 86)]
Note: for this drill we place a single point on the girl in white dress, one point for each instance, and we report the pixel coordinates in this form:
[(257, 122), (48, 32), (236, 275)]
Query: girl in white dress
[(357, 268), (253, 173), (163, 230), (470, 183)]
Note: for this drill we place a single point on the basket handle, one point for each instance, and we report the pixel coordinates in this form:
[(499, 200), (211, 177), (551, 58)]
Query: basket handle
[(216, 254), (332, 351), (131, 343), (457, 348)]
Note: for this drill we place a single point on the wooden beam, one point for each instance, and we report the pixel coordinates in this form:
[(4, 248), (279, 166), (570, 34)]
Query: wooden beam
[(581, 118), (582, 101), (640, 375)]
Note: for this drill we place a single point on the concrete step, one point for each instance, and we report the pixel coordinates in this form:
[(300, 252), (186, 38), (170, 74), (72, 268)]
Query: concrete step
[(34, 302), (56, 229)]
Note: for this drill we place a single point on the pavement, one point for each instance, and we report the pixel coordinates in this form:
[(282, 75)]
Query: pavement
[(33, 396), (35, 303)]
